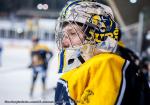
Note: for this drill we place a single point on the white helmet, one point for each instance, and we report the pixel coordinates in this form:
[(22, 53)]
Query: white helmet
[(96, 20), (81, 11)]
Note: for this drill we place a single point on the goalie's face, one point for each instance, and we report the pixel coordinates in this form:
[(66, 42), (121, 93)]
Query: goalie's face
[(72, 36)]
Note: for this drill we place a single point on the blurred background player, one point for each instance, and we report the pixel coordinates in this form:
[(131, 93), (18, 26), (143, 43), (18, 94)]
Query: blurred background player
[(40, 56)]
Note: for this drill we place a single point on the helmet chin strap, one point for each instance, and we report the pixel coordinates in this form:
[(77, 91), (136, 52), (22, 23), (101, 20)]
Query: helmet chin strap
[(81, 59)]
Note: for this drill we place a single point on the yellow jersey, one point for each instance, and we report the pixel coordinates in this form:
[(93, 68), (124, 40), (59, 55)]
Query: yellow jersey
[(105, 79)]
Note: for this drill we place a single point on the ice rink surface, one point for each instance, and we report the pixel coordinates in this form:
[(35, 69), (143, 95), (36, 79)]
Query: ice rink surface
[(15, 78)]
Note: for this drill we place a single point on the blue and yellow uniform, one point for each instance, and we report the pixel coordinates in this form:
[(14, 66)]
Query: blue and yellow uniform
[(40, 51), (105, 79), (40, 55)]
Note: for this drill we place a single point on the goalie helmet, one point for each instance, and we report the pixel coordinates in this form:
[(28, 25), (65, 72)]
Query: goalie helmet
[(95, 21)]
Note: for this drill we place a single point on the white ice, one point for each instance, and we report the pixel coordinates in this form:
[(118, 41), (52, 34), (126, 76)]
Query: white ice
[(15, 77)]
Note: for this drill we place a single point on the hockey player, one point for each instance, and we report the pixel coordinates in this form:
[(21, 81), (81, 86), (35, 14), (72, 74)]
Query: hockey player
[(94, 74), (40, 55)]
